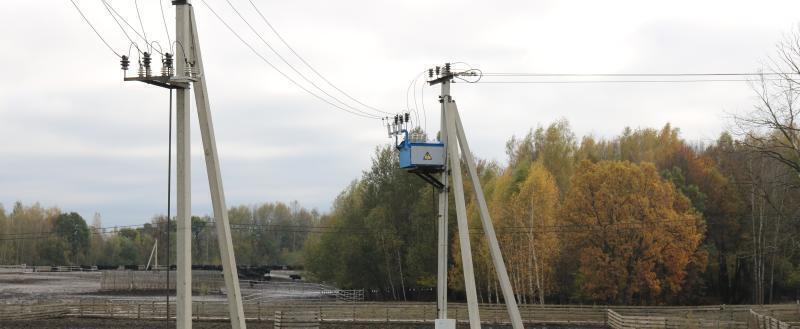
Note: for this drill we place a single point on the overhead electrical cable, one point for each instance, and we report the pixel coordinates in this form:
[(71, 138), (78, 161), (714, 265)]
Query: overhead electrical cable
[(114, 14), (368, 116), (416, 107), (111, 12), (515, 74), (412, 88), (139, 15), (422, 101), (166, 28), (94, 29), (622, 81), (296, 54), (274, 51)]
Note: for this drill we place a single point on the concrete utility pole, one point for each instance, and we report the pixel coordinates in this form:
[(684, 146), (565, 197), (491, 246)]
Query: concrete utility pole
[(189, 71), (455, 138), (441, 282)]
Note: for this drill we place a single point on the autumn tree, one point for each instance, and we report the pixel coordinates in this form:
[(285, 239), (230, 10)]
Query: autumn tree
[(527, 217), (632, 233), (555, 147)]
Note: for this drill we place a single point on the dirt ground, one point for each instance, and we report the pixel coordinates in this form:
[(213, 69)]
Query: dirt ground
[(69, 323), (29, 286), (33, 287), (21, 287)]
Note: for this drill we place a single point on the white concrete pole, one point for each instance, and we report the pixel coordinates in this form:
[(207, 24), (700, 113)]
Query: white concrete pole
[(488, 227), (183, 283), (235, 307), (441, 280), (461, 214)]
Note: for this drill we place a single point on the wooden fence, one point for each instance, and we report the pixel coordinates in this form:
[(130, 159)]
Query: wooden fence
[(616, 321), (760, 321), (202, 281), (18, 312), (717, 317), (296, 320)]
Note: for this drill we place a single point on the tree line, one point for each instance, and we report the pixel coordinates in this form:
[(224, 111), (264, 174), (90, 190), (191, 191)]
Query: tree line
[(263, 234), (642, 218)]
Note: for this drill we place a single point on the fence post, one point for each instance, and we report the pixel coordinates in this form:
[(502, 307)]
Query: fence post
[(138, 310)]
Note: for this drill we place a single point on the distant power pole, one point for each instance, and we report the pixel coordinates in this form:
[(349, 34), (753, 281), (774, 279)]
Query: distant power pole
[(189, 72)]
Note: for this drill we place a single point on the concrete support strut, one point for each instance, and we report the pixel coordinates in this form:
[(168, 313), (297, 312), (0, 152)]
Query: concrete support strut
[(488, 227), (457, 147), (461, 216), (188, 53), (235, 307)]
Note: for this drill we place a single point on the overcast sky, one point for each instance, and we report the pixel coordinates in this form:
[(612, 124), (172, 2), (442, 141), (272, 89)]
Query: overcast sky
[(73, 135)]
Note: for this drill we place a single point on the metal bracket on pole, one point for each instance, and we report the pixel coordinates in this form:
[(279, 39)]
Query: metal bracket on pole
[(428, 178)]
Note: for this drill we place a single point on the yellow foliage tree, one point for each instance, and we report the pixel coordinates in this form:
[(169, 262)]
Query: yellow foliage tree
[(632, 233), (533, 247)]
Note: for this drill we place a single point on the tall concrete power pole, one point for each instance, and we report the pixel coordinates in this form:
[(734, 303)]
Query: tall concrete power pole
[(457, 148), (188, 73)]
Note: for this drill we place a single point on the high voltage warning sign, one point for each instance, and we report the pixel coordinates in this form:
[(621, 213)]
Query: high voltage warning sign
[(427, 156)]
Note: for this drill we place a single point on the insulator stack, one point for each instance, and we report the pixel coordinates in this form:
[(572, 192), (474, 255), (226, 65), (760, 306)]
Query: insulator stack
[(147, 60), (166, 67), (124, 62)]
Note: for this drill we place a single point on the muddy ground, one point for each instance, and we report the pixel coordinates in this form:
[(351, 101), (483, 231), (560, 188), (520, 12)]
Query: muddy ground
[(27, 287)]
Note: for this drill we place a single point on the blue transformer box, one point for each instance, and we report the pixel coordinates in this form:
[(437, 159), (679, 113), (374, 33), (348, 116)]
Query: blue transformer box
[(425, 156)]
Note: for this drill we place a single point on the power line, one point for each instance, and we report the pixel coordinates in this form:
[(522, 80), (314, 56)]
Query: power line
[(416, 108), (516, 74), (287, 62), (114, 14), (139, 15), (94, 29), (111, 12), (264, 18), (621, 81), (166, 28), (424, 111), (412, 88), (279, 71)]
